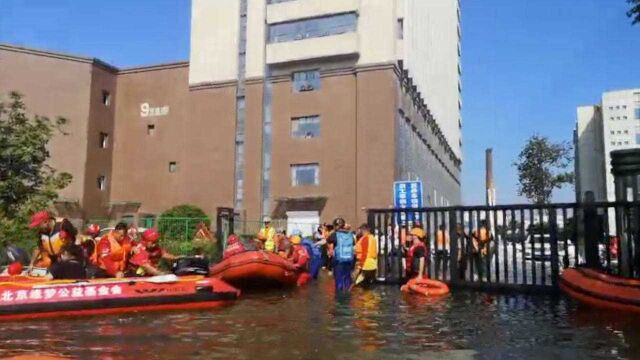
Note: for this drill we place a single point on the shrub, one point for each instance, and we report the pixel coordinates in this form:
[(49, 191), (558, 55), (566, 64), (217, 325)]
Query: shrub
[(179, 222)]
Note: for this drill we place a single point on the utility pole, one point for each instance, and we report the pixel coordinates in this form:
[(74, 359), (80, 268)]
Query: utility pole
[(490, 188)]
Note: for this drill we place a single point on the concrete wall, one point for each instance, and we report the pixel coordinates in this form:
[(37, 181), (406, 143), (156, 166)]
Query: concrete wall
[(99, 161), (377, 31), (255, 38), (589, 147), (54, 85), (304, 9), (618, 117), (430, 48), (197, 134), (214, 41)]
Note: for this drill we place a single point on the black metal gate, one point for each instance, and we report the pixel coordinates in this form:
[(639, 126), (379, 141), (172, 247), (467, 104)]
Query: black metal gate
[(530, 245)]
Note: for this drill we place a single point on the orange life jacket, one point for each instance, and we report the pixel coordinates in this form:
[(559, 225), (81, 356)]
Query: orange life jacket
[(442, 239), (119, 253)]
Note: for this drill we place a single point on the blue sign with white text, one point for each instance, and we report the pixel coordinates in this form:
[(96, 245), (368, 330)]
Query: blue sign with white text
[(407, 195)]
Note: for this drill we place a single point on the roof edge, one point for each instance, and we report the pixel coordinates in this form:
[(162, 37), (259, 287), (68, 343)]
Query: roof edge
[(94, 61)]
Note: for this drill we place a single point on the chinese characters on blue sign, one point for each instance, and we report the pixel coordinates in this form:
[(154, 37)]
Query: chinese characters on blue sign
[(407, 194)]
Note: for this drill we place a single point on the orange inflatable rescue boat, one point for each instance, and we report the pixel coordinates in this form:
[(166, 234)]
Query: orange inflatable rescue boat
[(599, 289), (256, 269), (26, 297), (426, 287)]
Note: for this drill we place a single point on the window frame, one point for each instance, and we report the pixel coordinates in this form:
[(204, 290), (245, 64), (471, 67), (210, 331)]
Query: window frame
[(302, 120), (104, 140), (295, 178), (106, 98), (316, 27), (173, 167), (300, 84), (151, 129), (101, 181)]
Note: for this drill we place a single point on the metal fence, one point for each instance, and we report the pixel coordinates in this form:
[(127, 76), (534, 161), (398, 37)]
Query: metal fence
[(530, 245), (176, 228)]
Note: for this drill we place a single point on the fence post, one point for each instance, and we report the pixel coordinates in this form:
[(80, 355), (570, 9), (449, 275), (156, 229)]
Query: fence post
[(592, 233), (553, 242), (453, 248)]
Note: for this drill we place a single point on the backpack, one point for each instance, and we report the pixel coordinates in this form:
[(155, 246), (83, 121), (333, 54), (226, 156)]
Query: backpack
[(313, 251), (344, 247)]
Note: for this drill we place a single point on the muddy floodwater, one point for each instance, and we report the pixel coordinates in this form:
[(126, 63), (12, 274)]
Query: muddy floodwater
[(312, 323)]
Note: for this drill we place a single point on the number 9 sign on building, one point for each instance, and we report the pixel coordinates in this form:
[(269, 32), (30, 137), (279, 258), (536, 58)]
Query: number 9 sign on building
[(407, 195)]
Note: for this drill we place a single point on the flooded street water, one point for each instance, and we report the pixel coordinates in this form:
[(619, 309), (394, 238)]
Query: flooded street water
[(311, 323)]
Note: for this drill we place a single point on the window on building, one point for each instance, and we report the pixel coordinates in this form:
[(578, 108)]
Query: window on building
[(626, 131), (151, 129), (610, 107), (305, 174), (619, 143), (624, 117), (613, 143), (104, 140), (313, 28), (611, 118), (106, 98), (637, 113), (400, 28), (618, 107), (102, 182), (612, 132), (306, 80), (307, 127), (626, 143), (638, 139), (624, 106), (619, 132), (173, 166), (618, 117)]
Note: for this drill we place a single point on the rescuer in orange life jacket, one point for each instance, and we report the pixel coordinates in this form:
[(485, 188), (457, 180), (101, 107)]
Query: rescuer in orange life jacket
[(112, 252), (416, 254), (235, 245), (147, 253), (54, 234), (300, 258)]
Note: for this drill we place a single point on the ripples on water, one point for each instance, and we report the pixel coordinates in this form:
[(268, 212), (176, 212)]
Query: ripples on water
[(311, 323)]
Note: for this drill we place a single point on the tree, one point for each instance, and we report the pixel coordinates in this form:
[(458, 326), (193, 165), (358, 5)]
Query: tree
[(27, 182), (540, 168), (634, 12)]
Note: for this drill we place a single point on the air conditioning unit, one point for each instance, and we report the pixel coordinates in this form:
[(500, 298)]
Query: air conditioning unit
[(306, 87)]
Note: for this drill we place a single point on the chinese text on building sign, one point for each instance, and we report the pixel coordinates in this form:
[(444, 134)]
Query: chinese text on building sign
[(407, 194), (59, 293), (146, 110)]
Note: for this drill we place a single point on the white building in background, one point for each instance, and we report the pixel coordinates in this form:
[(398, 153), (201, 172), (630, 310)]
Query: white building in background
[(347, 72), (614, 124)]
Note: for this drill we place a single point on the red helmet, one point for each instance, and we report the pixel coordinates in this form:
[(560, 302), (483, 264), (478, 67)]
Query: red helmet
[(15, 268), (38, 218), (232, 239), (93, 229), (150, 235)]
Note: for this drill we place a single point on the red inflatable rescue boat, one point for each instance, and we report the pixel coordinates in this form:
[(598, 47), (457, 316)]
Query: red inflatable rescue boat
[(598, 289), (256, 269), (24, 297)]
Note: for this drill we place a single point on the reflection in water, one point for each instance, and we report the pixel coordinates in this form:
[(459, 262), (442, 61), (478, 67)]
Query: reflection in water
[(314, 323)]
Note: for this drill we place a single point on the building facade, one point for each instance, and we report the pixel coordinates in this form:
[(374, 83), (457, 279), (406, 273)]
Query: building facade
[(299, 109), (614, 124)]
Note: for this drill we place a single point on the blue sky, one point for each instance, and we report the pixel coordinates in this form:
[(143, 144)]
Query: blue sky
[(526, 64)]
